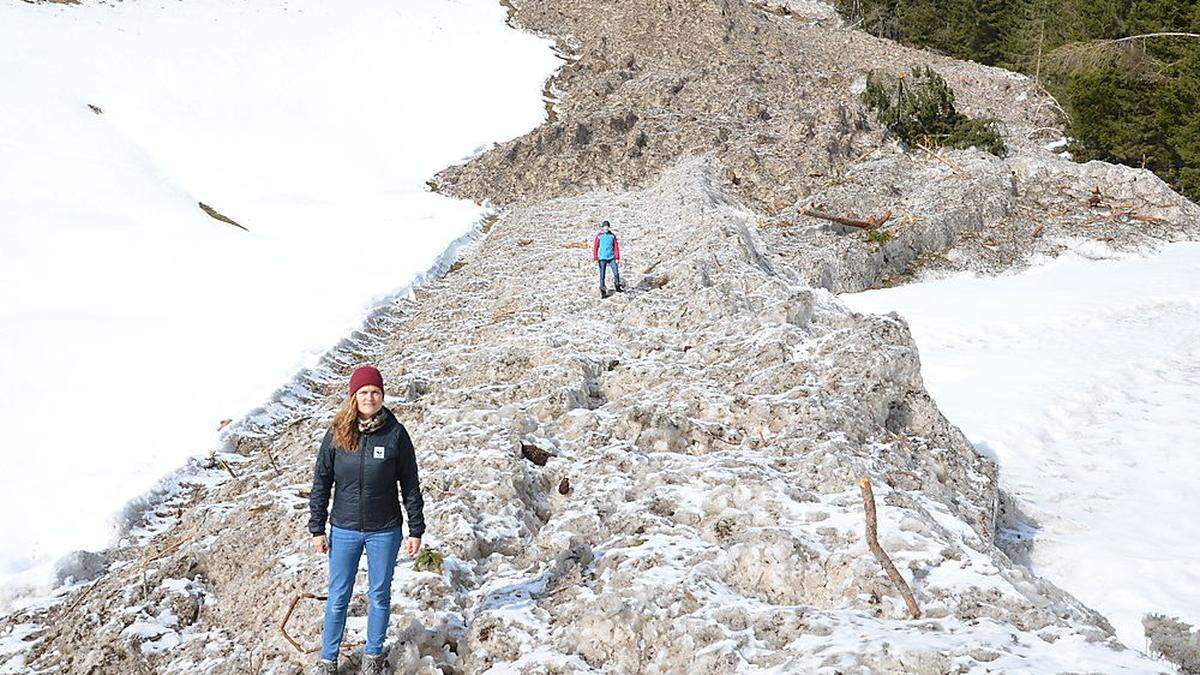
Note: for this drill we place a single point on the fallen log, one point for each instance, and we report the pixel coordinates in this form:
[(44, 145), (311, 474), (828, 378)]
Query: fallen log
[(871, 223), (880, 554)]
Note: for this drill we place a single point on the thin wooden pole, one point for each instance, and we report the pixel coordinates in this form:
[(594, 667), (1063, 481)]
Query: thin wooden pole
[(880, 554)]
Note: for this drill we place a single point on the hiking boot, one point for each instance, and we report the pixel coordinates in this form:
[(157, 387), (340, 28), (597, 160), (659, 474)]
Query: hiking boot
[(325, 667), (374, 664), (620, 288), (603, 292)]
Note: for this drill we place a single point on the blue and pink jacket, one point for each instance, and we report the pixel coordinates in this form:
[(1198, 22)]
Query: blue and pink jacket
[(606, 247)]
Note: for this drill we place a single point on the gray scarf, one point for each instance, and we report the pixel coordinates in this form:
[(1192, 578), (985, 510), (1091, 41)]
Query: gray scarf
[(373, 423)]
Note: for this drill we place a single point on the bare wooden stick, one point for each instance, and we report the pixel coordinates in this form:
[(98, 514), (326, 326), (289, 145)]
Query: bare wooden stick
[(271, 456), (1143, 36), (146, 560), (227, 468), (880, 554), (283, 624), (938, 156), (79, 598), (871, 223), (286, 617)]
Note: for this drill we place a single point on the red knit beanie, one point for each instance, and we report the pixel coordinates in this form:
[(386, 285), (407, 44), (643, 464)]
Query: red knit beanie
[(364, 376)]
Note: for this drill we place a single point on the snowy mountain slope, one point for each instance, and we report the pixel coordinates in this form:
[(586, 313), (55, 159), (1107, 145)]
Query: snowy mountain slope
[(698, 510), (312, 124), (1082, 378)]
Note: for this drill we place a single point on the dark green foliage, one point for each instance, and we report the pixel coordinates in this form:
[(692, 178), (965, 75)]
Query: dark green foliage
[(1137, 103), (919, 109), (879, 236), (428, 560)]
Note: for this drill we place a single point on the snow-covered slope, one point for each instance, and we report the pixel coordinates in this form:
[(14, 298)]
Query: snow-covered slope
[(1082, 378), (130, 321)]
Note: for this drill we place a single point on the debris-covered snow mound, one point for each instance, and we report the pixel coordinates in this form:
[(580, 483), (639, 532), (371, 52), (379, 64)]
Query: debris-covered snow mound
[(697, 510)]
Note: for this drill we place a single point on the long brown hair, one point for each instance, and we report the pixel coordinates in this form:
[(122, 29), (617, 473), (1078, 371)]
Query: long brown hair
[(345, 425)]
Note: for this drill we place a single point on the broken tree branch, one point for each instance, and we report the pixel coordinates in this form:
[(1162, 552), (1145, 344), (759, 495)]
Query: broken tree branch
[(1143, 36), (880, 554), (1115, 215), (938, 156), (227, 468), (1094, 55), (291, 608), (169, 548), (79, 598), (271, 456), (871, 223), (287, 617)]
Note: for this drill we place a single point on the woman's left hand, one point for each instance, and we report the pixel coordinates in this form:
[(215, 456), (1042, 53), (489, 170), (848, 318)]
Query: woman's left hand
[(411, 546)]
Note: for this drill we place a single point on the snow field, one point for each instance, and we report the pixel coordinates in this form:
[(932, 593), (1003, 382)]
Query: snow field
[(1082, 378)]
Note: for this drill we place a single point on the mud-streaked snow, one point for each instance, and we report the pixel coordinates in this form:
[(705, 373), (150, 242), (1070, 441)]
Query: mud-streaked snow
[(130, 321), (1082, 377)]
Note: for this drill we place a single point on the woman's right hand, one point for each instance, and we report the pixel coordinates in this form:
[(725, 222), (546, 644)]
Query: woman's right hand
[(321, 544)]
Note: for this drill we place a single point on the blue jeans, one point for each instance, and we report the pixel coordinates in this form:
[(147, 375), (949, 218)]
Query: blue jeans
[(345, 549), (616, 272)]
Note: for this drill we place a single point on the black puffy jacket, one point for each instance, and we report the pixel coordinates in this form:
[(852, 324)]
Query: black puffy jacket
[(364, 482)]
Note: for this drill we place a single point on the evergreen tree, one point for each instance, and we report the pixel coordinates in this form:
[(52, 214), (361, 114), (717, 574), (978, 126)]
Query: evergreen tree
[(1131, 101)]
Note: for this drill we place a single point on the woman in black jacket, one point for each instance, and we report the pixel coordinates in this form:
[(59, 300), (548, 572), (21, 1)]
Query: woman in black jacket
[(364, 455)]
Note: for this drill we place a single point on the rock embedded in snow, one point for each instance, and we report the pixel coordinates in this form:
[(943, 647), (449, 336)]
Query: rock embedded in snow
[(1176, 641), (80, 566)]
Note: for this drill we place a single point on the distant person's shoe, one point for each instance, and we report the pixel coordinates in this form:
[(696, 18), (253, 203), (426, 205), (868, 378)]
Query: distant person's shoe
[(603, 292), (620, 288), (325, 667), (374, 665)]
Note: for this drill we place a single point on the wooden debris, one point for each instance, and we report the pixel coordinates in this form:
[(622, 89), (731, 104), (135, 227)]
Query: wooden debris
[(217, 215), (1126, 213), (271, 456), (880, 554), (79, 598), (146, 560), (227, 468), (286, 617), (938, 156), (871, 223)]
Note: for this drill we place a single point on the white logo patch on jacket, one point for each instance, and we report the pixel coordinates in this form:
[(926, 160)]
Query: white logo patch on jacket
[(379, 451)]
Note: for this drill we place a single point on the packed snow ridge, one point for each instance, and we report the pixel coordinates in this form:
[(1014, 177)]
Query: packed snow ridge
[(698, 509)]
